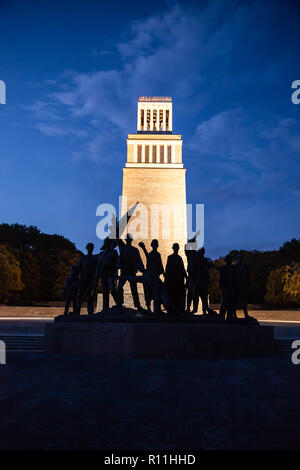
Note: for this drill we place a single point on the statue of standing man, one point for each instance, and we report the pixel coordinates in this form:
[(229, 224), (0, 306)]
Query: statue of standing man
[(152, 282), (174, 279), (87, 268), (107, 271), (227, 283), (129, 263), (243, 284)]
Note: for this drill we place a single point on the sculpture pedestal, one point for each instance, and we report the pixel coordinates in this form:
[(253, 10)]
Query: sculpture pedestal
[(119, 336)]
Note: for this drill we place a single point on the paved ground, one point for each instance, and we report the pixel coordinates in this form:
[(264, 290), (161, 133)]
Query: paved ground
[(90, 403), (8, 311), (87, 403)]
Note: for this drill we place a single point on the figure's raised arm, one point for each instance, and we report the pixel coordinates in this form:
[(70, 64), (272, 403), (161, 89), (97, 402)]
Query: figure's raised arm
[(142, 245)]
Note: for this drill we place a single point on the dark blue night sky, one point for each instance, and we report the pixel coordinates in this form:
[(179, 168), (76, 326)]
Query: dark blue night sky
[(74, 72)]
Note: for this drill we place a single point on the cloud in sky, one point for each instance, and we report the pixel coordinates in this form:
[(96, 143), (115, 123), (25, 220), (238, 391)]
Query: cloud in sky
[(250, 151), (173, 53), (169, 53), (229, 72)]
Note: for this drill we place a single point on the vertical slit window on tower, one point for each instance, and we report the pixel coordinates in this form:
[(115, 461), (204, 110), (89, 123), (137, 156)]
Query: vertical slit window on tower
[(139, 154), (167, 119), (154, 119), (154, 154), (142, 119), (148, 119), (161, 150), (160, 119), (147, 154), (169, 154)]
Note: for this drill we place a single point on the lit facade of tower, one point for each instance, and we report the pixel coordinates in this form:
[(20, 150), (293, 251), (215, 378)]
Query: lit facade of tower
[(154, 175)]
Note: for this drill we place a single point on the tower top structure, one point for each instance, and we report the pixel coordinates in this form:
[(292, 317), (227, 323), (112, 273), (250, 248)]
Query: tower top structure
[(154, 114), (154, 145)]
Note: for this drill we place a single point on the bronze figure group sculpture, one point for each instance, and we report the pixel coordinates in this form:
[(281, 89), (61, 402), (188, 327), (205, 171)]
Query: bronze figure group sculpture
[(177, 293)]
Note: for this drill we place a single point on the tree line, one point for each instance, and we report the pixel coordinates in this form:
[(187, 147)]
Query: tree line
[(34, 267), (274, 275)]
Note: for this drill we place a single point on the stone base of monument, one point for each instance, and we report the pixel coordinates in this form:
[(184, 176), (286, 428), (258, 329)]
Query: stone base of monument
[(115, 334)]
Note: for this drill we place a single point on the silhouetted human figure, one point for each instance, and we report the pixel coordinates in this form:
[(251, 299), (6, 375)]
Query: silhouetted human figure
[(152, 282), (243, 284), (227, 283), (190, 250), (129, 263), (107, 271), (174, 279), (87, 268), (203, 266), (71, 289)]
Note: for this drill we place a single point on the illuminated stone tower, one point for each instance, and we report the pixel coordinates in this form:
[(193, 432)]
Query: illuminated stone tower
[(154, 174)]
